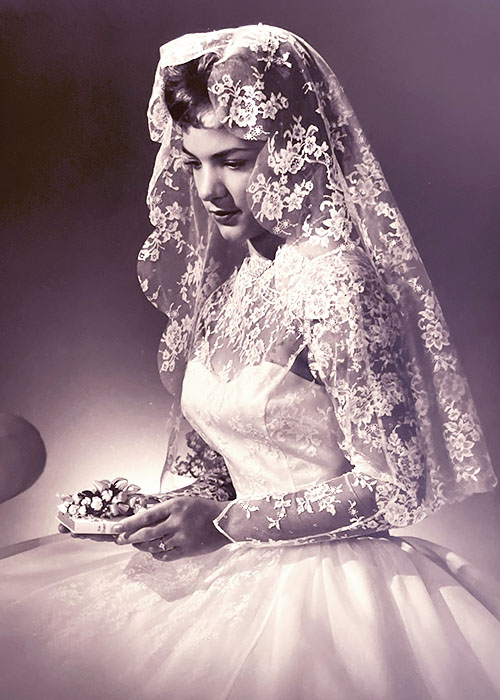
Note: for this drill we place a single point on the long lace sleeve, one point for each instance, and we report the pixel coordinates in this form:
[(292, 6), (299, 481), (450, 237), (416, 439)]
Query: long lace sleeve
[(352, 329), (344, 506)]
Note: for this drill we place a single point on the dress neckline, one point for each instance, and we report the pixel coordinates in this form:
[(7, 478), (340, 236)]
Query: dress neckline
[(256, 262)]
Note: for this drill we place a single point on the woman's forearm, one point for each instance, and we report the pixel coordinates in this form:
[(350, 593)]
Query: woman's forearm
[(344, 506)]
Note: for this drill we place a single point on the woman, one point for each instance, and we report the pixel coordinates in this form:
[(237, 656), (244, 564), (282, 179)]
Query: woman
[(305, 345)]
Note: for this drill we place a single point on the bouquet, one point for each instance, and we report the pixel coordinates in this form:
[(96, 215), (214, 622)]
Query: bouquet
[(97, 510)]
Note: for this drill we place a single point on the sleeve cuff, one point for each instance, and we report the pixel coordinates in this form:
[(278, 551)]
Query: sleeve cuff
[(221, 516)]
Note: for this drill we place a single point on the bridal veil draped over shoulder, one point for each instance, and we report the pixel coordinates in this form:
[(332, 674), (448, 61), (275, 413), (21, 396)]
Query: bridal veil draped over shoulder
[(311, 598), (349, 269)]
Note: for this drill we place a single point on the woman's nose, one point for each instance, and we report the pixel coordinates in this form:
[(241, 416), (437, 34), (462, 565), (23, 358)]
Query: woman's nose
[(209, 184)]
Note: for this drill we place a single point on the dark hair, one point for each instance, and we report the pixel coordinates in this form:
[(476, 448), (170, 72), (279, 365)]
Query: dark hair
[(186, 89)]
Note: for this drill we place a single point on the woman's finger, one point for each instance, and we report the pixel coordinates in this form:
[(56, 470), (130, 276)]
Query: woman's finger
[(154, 547), (146, 547), (144, 518), (170, 549), (163, 548), (146, 534)]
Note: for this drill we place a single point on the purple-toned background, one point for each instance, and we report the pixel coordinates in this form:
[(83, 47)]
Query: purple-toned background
[(79, 340)]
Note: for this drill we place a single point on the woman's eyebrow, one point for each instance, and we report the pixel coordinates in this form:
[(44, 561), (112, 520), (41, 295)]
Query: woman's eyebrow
[(222, 154)]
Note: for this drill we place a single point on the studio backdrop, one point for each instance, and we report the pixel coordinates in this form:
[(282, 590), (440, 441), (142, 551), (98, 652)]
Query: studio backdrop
[(78, 351)]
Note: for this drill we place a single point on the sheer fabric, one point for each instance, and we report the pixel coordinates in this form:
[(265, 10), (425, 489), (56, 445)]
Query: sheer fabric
[(347, 286), (341, 507), (365, 382), (371, 618), (383, 432)]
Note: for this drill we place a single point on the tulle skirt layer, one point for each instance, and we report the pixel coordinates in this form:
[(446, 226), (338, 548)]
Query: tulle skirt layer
[(361, 619)]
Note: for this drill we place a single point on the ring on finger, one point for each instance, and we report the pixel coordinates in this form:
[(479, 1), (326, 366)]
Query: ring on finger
[(164, 546)]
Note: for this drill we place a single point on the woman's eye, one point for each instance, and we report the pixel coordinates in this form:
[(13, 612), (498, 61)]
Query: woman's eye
[(235, 164), (191, 164)]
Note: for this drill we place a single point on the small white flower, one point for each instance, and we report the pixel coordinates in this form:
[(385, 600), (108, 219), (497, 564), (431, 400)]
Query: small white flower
[(96, 503), (244, 111)]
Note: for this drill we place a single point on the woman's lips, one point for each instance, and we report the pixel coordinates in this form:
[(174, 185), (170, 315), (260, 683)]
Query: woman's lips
[(226, 218)]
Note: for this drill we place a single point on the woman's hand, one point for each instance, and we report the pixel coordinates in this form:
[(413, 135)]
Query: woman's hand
[(178, 527)]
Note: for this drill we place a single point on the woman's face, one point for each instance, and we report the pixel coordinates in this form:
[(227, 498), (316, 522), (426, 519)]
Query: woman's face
[(221, 166)]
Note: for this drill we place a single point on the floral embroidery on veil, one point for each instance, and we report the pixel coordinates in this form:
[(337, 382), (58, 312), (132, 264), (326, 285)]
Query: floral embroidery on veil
[(348, 282)]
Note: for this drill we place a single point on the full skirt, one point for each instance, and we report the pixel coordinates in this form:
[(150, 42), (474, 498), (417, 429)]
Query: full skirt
[(359, 619)]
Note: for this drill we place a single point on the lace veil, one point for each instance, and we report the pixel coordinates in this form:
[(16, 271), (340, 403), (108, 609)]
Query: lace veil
[(316, 184)]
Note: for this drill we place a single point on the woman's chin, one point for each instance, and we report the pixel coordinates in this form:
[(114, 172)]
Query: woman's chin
[(234, 234), (241, 233)]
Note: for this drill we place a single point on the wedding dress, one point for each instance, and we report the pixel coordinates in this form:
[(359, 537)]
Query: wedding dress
[(311, 598), (354, 618)]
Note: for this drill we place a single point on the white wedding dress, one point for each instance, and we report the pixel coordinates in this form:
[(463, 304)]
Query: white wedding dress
[(367, 618)]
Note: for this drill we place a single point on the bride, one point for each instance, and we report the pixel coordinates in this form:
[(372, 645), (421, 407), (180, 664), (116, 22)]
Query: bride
[(306, 346)]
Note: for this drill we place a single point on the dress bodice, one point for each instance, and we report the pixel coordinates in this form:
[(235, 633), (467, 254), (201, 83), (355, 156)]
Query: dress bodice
[(280, 433), (275, 429)]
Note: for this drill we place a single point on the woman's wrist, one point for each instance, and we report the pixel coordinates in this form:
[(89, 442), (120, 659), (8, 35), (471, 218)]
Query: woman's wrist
[(225, 506)]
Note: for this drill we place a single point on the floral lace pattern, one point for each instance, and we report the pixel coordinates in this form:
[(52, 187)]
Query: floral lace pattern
[(348, 283), (245, 322), (341, 507), (376, 411)]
